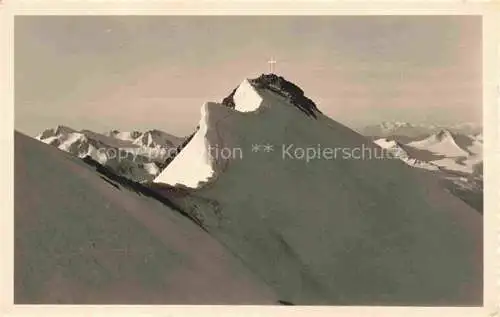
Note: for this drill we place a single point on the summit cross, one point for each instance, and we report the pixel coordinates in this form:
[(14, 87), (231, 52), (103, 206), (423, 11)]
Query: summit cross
[(272, 64)]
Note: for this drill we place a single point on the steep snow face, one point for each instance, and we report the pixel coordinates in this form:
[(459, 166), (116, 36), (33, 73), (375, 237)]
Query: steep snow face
[(197, 163), (328, 228), (84, 238)]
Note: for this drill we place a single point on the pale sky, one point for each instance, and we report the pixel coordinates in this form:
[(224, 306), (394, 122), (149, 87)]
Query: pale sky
[(140, 72)]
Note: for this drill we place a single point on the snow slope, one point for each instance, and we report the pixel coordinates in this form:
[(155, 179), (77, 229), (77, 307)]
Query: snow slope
[(327, 231), (84, 238)]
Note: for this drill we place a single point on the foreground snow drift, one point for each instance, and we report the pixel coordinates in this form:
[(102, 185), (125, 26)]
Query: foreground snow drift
[(84, 238)]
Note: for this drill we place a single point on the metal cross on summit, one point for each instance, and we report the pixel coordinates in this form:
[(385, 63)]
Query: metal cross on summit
[(272, 64)]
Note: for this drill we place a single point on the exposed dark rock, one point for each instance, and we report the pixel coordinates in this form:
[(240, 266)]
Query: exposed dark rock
[(289, 90), (229, 101), (283, 87)]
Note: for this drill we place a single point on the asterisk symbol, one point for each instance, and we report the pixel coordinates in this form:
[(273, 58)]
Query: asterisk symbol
[(268, 148), (255, 148)]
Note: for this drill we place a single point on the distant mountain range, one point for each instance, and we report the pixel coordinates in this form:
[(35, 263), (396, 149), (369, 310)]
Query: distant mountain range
[(455, 158), (406, 131), (137, 155), (444, 149)]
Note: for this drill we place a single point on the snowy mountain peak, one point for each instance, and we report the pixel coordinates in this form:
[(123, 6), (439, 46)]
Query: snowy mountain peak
[(248, 95), (442, 142), (293, 93), (443, 134), (63, 129), (52, 132), (280, 97)]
